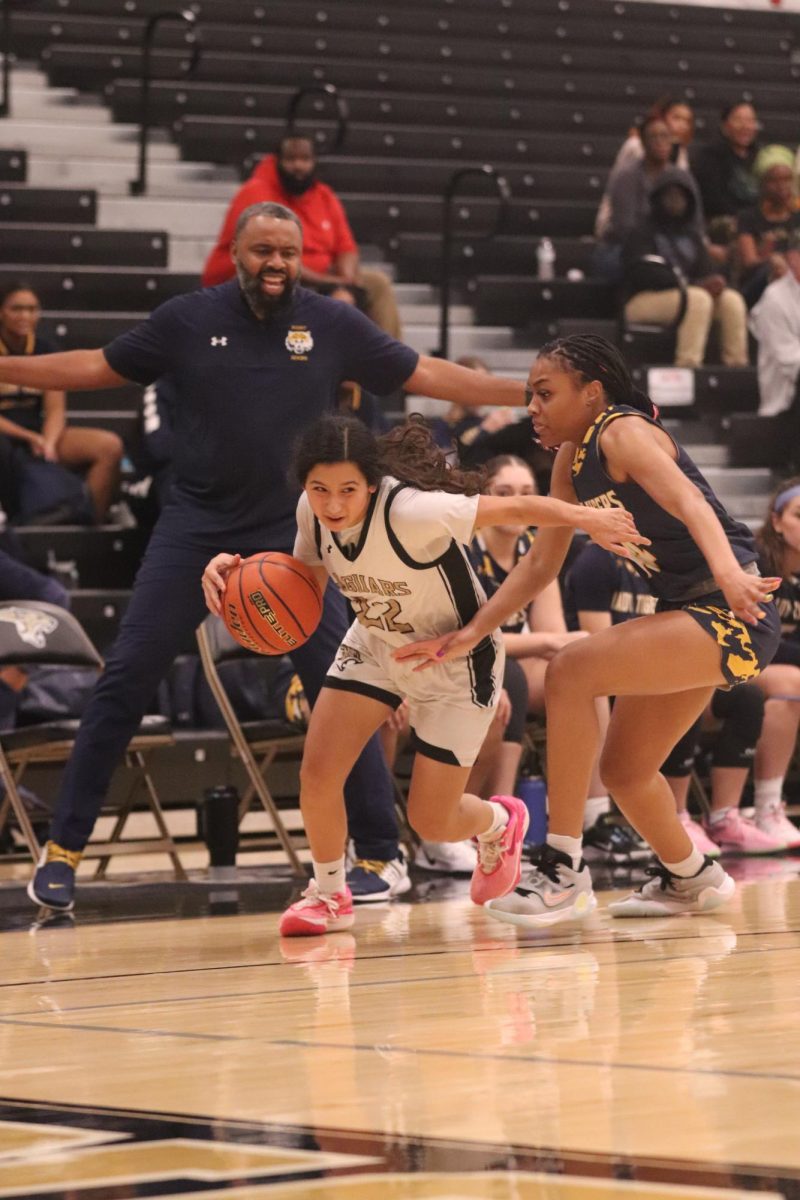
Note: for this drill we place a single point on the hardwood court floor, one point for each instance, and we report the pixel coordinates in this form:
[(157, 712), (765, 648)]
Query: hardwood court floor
[(432, 1052)]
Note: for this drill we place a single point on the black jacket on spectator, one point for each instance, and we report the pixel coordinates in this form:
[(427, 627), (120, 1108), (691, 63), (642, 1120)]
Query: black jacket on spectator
[(726, 181), (665, 245)]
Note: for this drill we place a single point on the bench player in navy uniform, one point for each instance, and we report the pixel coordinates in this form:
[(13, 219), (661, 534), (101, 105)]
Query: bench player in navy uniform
[(253, 362), (717, 626)]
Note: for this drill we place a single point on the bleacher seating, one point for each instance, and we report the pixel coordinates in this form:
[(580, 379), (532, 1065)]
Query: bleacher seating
[(430, 87)]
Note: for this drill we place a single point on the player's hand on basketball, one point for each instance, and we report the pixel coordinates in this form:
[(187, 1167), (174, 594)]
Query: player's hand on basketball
[(746, 594), (214, 576), (437, 650), (613, 529)]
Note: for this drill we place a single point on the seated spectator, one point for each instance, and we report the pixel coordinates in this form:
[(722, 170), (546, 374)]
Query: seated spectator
[(628, 195), (775, 322), (779, 543), (463, 429), (603, 590), (668, 244), (724, 170), (764, 230), (532, 636), (330, 253), (679, 119), (36, 422)]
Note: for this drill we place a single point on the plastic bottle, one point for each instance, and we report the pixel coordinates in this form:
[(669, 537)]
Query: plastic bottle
[(546, 259)]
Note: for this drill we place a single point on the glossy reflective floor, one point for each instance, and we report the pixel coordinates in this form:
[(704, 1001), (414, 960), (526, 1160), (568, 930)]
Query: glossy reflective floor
[(430, 1052)]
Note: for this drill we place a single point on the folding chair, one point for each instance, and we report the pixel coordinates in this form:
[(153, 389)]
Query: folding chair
[(33, 633), (256, 743)]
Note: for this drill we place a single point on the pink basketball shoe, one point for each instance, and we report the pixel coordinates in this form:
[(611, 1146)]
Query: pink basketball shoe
[(500, 861), (316, 913)]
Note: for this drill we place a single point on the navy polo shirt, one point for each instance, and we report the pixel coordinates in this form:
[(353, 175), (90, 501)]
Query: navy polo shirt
[(244, 390)]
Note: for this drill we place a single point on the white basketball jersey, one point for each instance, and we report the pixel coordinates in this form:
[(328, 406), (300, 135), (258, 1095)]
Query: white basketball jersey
[(407, 574)]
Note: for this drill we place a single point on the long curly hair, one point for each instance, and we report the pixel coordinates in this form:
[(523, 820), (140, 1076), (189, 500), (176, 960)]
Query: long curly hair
[(408, 452)]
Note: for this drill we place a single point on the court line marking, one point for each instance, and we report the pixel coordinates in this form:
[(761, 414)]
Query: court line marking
[(361, 984), (444, 951), (384, 1051)]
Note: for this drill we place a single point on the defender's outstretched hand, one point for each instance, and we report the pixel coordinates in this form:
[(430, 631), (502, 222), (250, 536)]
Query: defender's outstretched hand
[(214, 577), (612, 528), (437, 650)]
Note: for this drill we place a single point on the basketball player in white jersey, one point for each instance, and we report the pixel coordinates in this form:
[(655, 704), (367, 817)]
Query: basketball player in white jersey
[(389, 521)]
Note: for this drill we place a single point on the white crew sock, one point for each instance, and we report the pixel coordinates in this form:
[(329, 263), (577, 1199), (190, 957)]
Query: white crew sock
[(499, 822), (719, 814), (330, 876), (768, 792), (571, 846), (596, 806), (688, 866)]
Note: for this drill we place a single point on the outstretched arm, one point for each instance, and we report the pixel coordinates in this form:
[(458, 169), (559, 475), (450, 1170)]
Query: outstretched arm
[(636, 450), (532, 573), (72, 370), (445, 380), (609, 527)]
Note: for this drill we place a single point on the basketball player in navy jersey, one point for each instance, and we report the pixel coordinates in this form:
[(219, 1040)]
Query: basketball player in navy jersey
[(717, 626), (390, 522)]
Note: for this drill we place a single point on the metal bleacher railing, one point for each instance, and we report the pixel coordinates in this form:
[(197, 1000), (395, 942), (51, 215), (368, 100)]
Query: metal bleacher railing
[(138, 186), (504, 194)]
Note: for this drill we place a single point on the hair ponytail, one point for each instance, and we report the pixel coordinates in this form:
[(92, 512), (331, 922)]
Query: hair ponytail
[(408, 452)]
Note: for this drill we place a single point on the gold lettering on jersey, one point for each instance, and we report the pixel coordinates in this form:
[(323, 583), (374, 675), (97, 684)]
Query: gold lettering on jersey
[(630, 602), (643, 558), (366, 583), (268, 613)]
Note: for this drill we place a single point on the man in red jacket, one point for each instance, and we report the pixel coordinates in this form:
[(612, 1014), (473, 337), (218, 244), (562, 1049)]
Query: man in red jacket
[(330, 253)]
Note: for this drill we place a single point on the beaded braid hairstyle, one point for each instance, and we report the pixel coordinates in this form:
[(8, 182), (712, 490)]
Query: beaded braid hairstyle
[(408, 452), (591, 357)]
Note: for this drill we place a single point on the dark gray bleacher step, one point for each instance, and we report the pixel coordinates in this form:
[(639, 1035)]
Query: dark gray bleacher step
[(105, 399), (170, 100), (511, 300), (107, 288), (643, 48), (13, 166), (66, 245), (418, 256), (87, 330), (100, 611), (485, 20), (123, 422), (105, 556), (229, 140), (676, 16), (92, 67), (64, 206)]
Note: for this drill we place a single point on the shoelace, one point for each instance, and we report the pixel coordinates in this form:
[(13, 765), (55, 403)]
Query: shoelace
[(544, 863), (56, 853), (312, 896), (489, 853), (662, 874), (369, 864)]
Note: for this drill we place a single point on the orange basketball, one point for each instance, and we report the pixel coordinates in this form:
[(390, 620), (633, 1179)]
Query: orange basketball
[(272, 603)]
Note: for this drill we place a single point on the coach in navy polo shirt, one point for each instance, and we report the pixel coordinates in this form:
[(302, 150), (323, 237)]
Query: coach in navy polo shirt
[(252, 363)]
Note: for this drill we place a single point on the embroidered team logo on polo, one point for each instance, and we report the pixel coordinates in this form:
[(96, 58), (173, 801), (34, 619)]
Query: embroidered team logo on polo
[(299, 341)]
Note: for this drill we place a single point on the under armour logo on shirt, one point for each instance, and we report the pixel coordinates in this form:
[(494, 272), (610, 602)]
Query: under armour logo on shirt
[(219, 341)]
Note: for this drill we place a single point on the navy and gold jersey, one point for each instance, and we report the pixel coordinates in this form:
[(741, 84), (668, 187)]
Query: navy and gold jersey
[(491, 574), (25, 405), (673, 564), (599, 581)]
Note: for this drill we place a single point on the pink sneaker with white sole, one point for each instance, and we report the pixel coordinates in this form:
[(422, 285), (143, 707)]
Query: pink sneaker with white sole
[(316, 913), (734, 834), (699, 838), (500, 861), (774, 822)]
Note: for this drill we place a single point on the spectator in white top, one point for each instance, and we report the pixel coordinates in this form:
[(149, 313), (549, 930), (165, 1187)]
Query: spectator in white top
[(775, 321)]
